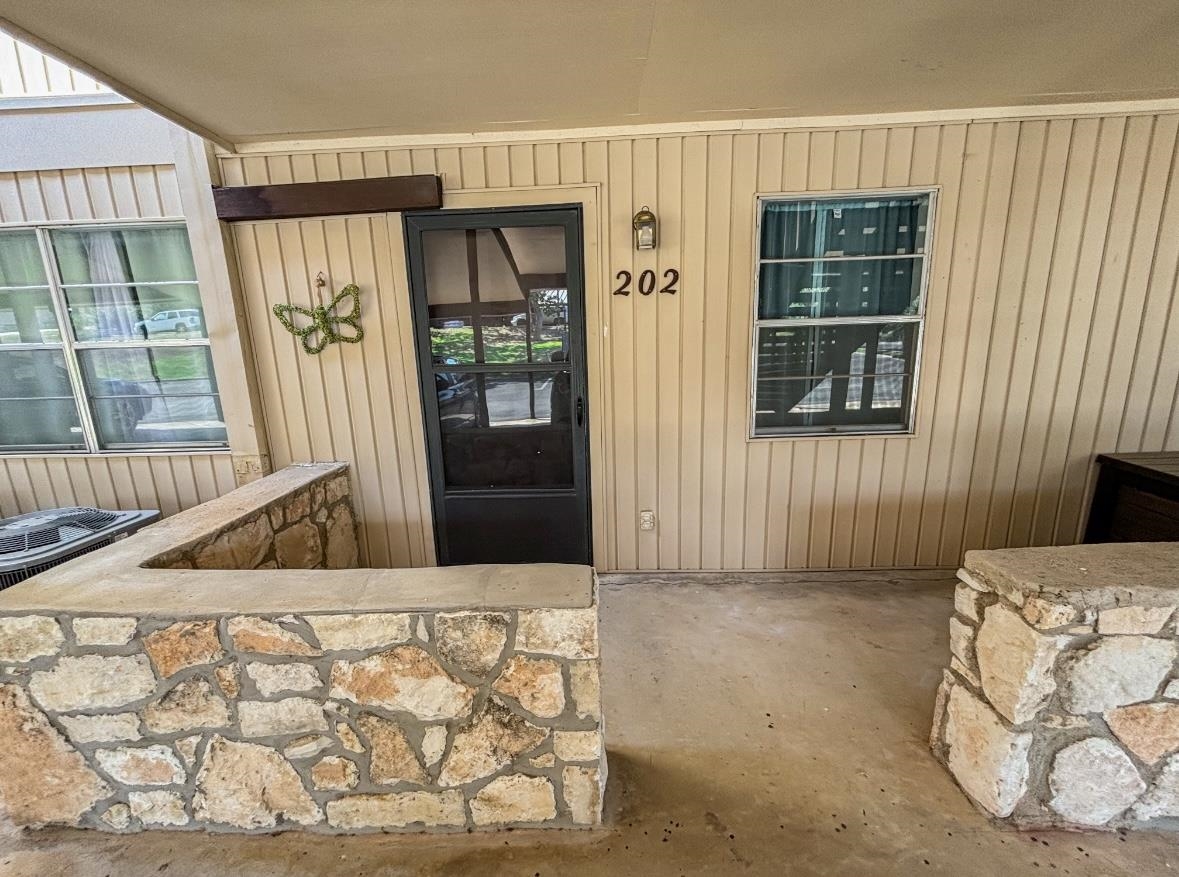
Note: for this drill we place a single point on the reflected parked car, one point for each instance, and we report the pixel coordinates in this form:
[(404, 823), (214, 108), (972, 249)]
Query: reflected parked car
[(178, 322), (456, 396), (540, 319)]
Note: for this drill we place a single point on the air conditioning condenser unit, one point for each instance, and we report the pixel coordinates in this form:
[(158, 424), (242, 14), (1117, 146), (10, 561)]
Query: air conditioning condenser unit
[(34, 542)]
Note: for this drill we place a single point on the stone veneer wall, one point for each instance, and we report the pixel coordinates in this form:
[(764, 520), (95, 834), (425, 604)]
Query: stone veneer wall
[(1063, 709), (313, 527), (329, 722), (335, 722)]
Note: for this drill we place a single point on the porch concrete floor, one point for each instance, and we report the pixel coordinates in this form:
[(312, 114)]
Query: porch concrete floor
[(756, 725)]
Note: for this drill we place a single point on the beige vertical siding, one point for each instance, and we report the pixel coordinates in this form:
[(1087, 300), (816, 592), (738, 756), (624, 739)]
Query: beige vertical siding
[(355, 402), (25, 72), (101, 194), (168, 482), (115, 481), (1052, 334)]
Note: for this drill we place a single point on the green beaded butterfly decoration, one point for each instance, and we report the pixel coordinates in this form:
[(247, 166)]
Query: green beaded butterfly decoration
[(325, 321)]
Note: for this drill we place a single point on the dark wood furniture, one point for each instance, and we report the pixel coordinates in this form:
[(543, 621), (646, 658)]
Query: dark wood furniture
[(1136, 500)]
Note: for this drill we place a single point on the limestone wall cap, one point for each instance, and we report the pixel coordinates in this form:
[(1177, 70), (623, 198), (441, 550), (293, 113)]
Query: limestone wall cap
[(115, 581), (1084, 576)]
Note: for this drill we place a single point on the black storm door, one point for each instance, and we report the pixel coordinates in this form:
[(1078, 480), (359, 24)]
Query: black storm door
[(499, 320)]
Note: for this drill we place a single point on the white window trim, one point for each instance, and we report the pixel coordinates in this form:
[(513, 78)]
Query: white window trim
[(910, 429), (69, 345)]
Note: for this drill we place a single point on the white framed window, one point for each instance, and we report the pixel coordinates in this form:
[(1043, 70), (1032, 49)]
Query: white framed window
[(839, 310), (103, 345)]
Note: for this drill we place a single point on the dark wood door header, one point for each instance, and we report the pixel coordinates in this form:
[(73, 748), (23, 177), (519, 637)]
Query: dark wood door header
[(331, 198)]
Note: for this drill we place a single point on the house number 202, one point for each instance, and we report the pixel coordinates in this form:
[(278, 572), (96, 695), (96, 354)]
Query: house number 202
[(647, 282)]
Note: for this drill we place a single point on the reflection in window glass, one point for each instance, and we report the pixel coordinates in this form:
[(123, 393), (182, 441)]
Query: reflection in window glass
[(128, 284), (500, 338), (37, 402), (483, 400), (150, 396), (854, 288), (123, 255), (537, 332), (143, 312), (120, 322), (503, 429), (497, 295), (812, 228), (819, 376), (452, 340), (20, 260), (27, 317)]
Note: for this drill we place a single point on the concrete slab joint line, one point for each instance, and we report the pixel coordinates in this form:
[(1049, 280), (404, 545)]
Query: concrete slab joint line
[(1073, 719), (307, 711)]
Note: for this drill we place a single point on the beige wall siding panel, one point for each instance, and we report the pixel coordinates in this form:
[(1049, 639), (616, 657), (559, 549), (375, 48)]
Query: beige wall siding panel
[(1033, 280), (1051, 334), (351, 402), (1060, 460), (571, 161), (714, 350), (1134, 221), (474, 170), (621, 355), (968, 524), (1078, 173), (1128, 308), (735, 398), (165, 482), (979, 238), (1152, 381), (800, 502), (112, 193), (691, 306), (647, 383), (867, 503), (669, 386)]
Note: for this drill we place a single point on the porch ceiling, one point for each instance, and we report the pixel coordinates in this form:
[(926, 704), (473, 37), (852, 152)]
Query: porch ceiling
[(251, 71)]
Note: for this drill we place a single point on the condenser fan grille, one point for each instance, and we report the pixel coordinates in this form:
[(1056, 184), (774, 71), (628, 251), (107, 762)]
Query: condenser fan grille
[(59, 526), (38, 538)]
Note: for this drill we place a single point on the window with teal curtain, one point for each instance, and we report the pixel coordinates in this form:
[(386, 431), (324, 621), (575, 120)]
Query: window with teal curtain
[(103, 344), (840, 306)]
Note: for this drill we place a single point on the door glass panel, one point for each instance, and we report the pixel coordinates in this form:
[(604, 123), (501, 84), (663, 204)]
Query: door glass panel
[(506, 429), (452, 340), (497, 295)]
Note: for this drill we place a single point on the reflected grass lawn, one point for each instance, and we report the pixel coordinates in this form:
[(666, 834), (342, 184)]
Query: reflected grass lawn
[(500, 344), (160, 364)]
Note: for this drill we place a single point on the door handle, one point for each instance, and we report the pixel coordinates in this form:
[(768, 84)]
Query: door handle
[(580, 410)]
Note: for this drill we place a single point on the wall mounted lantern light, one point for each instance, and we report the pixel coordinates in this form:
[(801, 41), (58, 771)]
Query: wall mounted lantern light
[(644, 223)]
